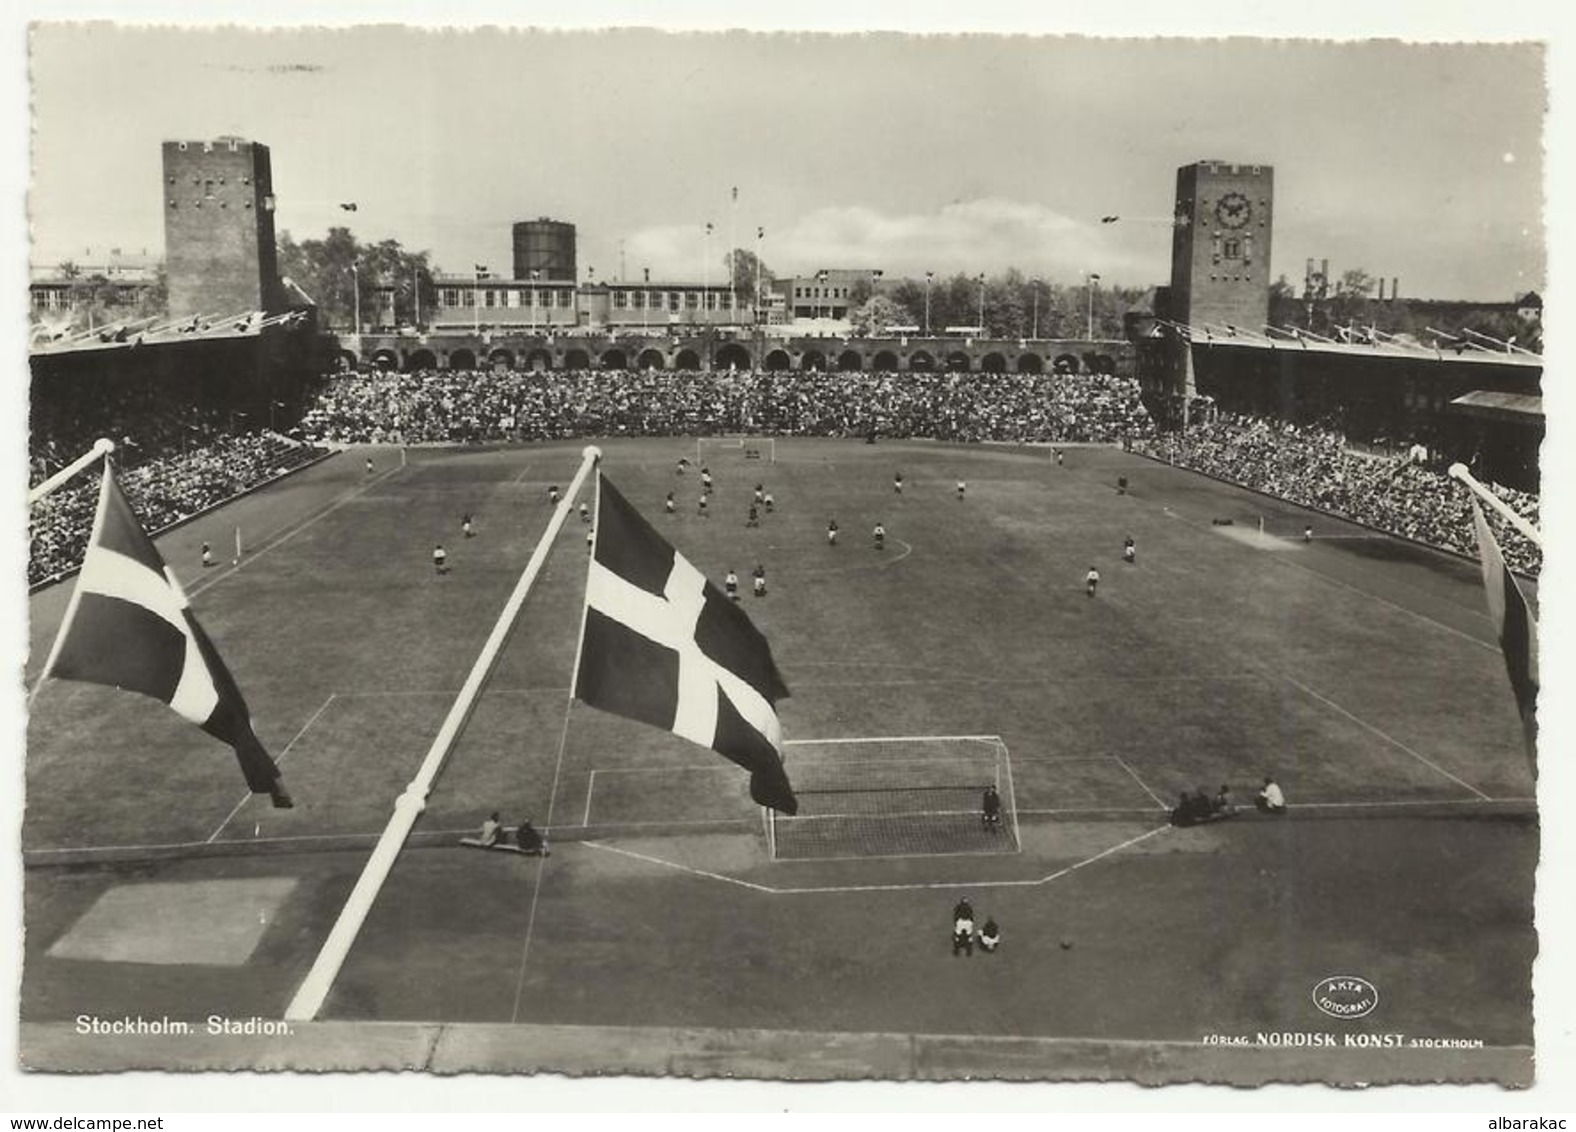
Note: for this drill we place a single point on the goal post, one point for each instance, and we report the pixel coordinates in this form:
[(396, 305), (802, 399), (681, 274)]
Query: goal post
[(762, 448), (896, 797)]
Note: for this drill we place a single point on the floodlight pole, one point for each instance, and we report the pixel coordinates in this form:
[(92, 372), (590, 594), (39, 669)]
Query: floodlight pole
[(1459, 472), (314, 989)]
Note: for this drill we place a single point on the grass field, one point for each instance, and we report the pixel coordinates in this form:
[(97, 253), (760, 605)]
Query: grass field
[(1359, 670)]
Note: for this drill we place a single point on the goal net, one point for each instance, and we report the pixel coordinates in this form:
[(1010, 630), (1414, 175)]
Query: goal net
[(762, 448), (899, 797)]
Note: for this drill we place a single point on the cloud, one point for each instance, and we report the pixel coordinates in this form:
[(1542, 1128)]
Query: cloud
[(989, 234)]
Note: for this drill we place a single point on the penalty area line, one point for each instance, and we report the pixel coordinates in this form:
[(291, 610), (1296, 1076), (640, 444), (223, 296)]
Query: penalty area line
[(853, 888), (1394, 742), (247, 797)]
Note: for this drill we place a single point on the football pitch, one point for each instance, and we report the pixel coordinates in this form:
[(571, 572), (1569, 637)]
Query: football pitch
[(1359, 670)]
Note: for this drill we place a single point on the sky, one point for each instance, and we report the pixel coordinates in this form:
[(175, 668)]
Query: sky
[(900, 152)]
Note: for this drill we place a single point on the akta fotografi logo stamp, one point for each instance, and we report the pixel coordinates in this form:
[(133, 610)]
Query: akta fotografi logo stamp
[(1345, 996)]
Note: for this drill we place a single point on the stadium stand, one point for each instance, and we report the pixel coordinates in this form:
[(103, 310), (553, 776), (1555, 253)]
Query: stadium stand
[(465, 406), (1320, 467), (165, 487)]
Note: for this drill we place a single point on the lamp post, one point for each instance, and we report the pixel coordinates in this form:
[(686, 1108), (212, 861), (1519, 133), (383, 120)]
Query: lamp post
[(1034, 289), (1089, 289), (929, 275), (982, 304), (355, 285), (536, 296), (820, 279), (705, 275), (760, 237), (645, 304)]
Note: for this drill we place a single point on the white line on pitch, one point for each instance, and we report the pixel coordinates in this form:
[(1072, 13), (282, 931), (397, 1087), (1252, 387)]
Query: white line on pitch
[(288, 534), (590, 786), (897, 739), (1140, 782), (1423, 617), (1386, 737), (878, 887), (544, 689), (521, 476), (675, 865), (247, 797), (1057, 875), (541, 865), (1414, 802)]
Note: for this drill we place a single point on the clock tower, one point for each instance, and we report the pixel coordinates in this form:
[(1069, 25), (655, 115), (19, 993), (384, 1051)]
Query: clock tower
[(1220, 245)]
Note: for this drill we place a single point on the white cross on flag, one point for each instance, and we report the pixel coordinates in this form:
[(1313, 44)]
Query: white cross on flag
[(660, 644), (128, 626)]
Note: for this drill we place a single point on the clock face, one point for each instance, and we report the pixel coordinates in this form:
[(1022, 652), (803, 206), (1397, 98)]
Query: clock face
[(1234, 210)]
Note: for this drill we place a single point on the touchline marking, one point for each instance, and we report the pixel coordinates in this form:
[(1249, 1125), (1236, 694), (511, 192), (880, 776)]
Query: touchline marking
[(520, 478), (590, 786), (1140, 781), (451, 692), (1414, 802), (1058, 874), (897, 739), (247, 797), (290, 533), (1423, 617), (541, 863), (1387, 738)]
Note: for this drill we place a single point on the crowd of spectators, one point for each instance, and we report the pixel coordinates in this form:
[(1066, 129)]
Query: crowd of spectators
[(1315, 467), (463, 406), (163, 486)]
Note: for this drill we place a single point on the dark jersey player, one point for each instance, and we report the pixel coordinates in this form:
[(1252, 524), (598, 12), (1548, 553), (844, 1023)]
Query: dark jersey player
[(1129, 551)]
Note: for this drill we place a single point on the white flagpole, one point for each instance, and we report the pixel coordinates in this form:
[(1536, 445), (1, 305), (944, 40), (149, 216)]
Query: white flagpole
[(1459, 472), (314, 989), (101, 447), (76, 591)]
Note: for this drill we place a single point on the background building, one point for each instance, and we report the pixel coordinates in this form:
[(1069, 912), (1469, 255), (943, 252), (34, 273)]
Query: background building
[(220, 255), (1220, 245), (546, 247)]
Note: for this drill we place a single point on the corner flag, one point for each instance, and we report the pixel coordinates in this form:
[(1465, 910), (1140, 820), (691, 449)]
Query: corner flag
[(1514, 624), (660, 644), (129, 626)]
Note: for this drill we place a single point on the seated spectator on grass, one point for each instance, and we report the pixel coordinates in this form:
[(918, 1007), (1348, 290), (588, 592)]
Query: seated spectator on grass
[(491, 830), (1223, 805), (990, 935), (1270, 799), (530, 839)]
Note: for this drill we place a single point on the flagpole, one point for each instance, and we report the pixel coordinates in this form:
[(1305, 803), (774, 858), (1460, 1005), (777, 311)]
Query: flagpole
[(314, 989), (101, 447), (1459, 472), (76, 591)]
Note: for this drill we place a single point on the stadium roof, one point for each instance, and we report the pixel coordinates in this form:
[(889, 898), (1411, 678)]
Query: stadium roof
[(1523, 407), (1372, 345)]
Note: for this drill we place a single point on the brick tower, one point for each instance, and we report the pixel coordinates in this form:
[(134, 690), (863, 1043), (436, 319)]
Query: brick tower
[(1220, 245), (220, 256)]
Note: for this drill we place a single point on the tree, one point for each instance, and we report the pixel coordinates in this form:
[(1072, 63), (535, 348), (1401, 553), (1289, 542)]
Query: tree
[(876, 314), (323, 270), (1351, 301), (743, 265)]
